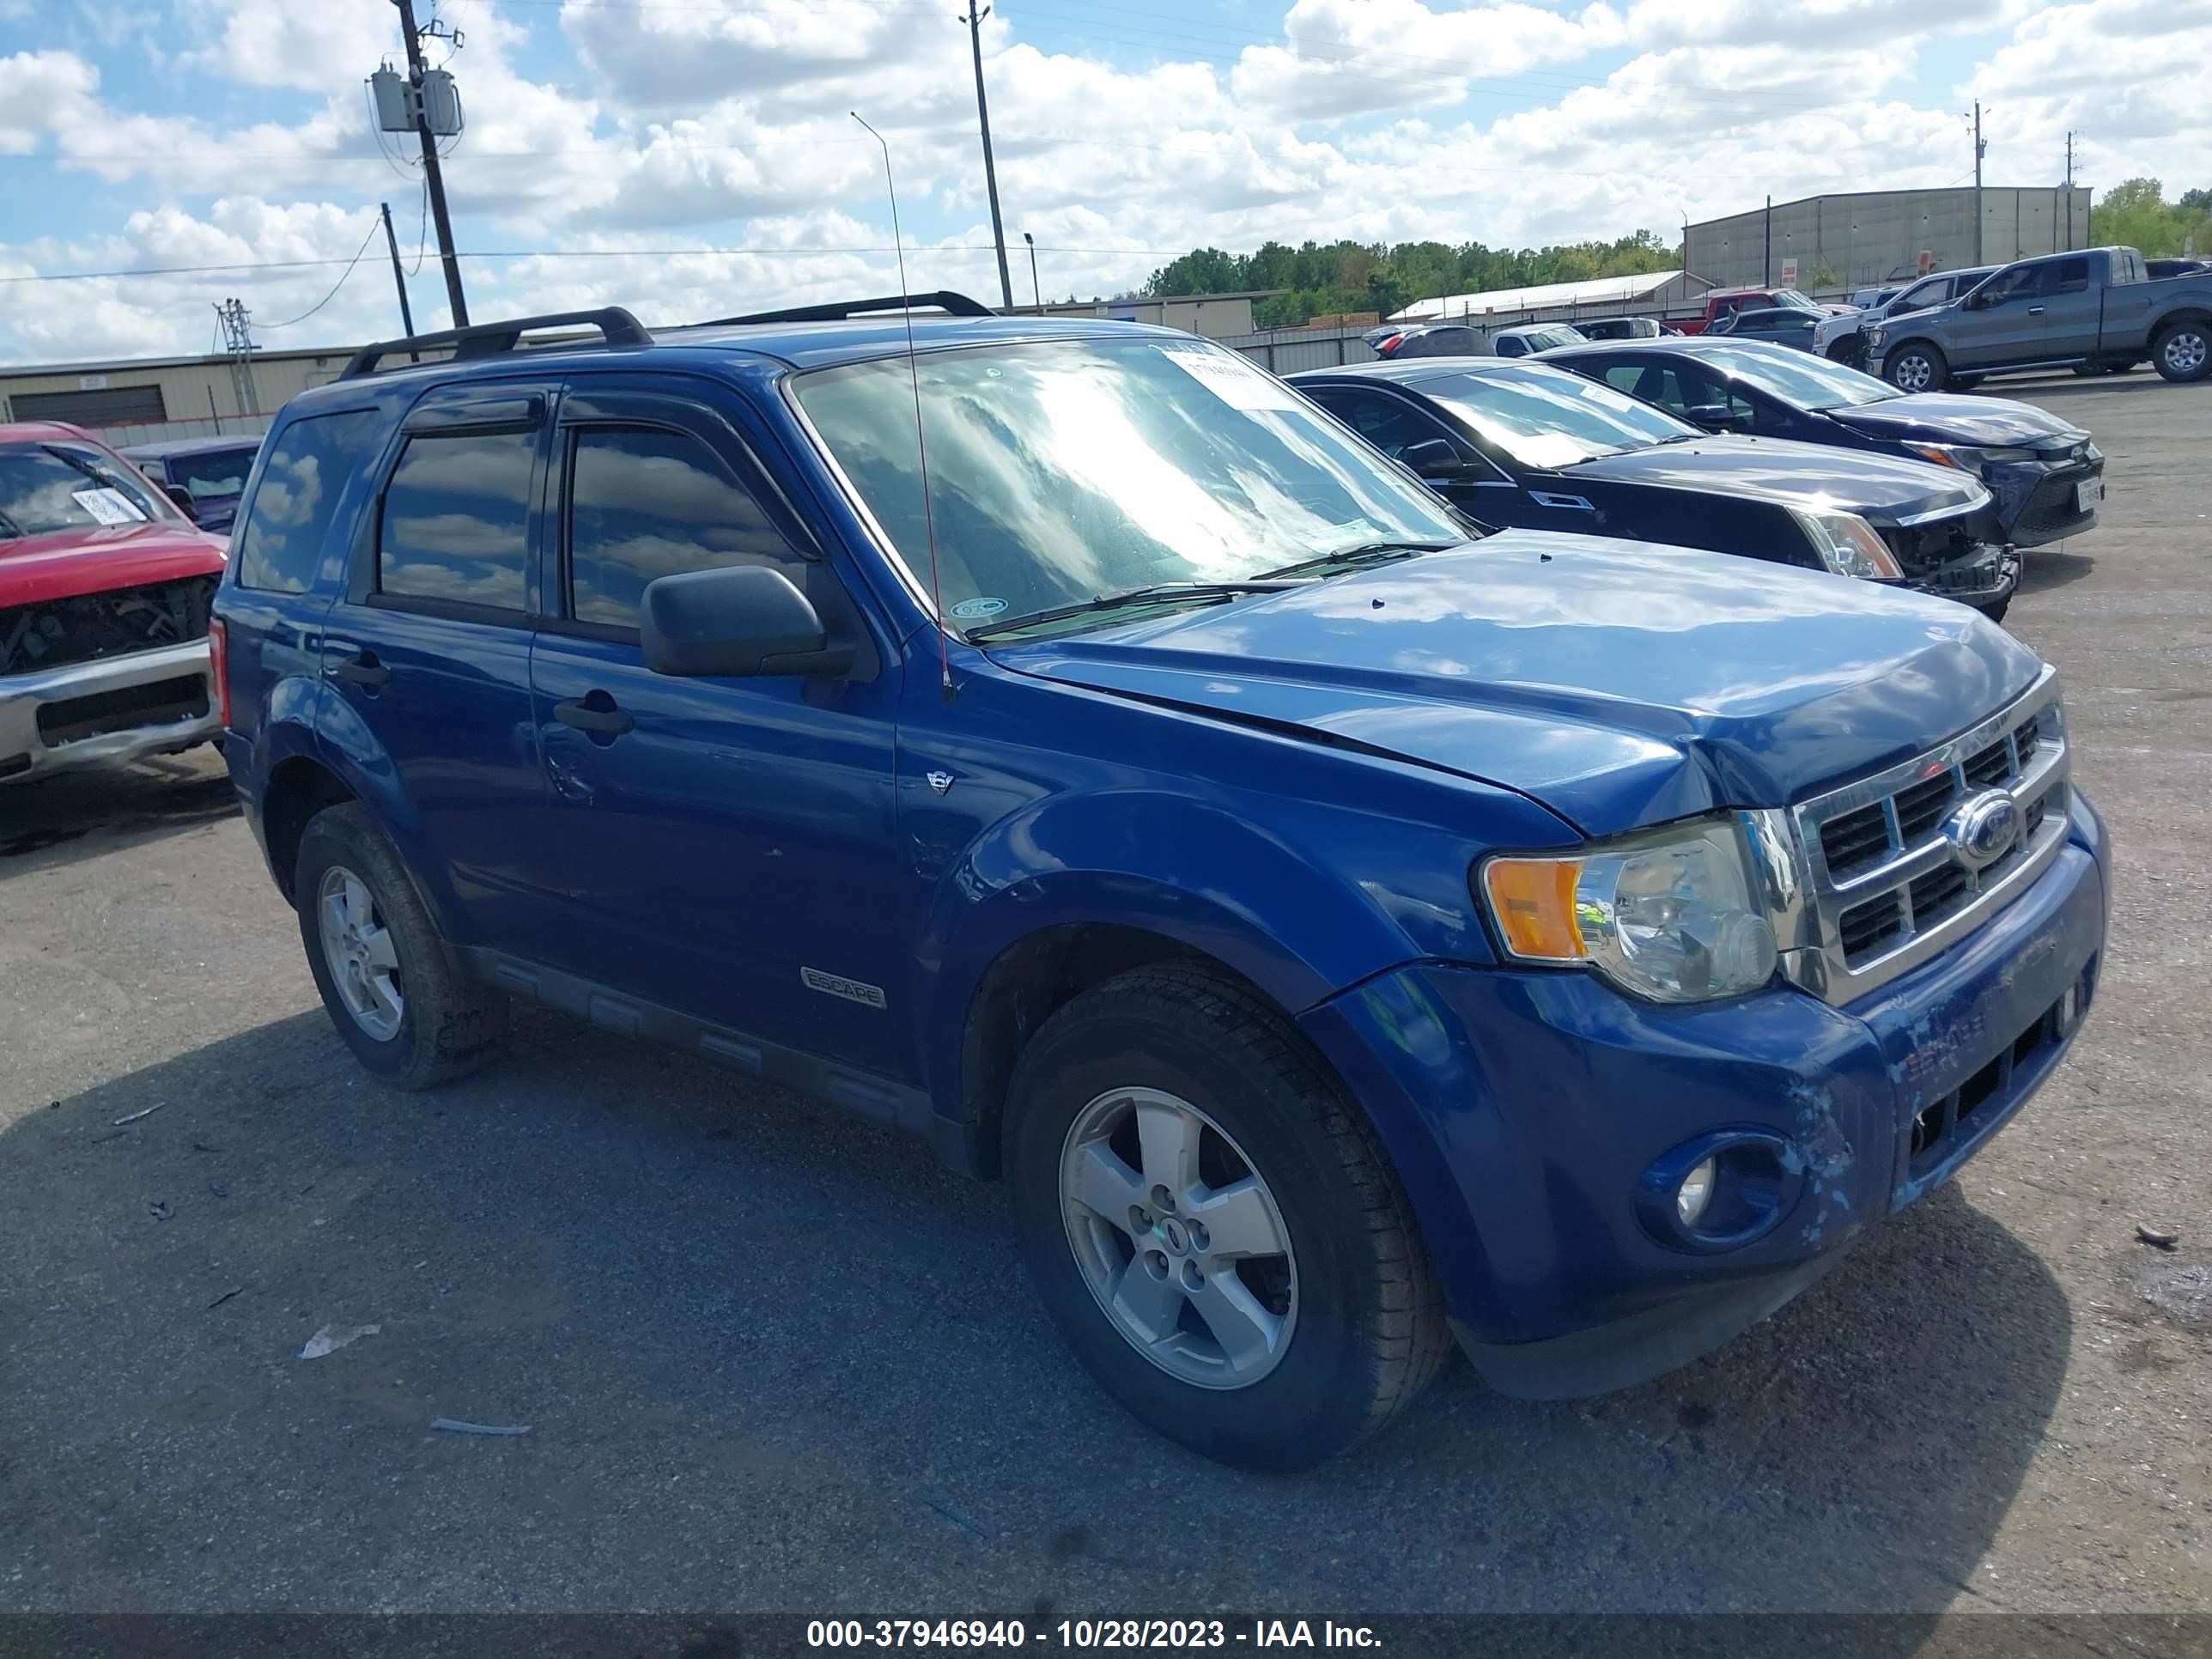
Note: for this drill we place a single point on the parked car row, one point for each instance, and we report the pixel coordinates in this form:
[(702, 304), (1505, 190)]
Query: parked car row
[(1385, 860)]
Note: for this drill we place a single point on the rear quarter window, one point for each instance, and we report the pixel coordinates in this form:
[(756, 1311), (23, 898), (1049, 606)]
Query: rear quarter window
[(281, 535)]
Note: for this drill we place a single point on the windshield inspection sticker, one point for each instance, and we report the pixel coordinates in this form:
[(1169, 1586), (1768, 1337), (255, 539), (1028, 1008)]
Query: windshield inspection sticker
[(108, 506), (1232, 379), (970, 610)]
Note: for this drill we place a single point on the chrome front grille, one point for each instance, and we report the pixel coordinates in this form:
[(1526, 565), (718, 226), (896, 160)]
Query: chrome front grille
[(1883, 874)]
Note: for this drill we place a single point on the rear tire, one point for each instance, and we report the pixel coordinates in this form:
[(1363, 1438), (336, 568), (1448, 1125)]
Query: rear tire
[(387, 980), (1222, 1096), (1916, 366), (2183, 351), (1995, 612)]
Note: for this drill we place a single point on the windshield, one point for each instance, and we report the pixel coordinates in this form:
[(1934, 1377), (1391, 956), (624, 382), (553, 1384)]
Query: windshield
[(1795, 300), (1544, 339), (1066, 469), (45, 487), (212, 472), (1545, 417), (1799, 377)]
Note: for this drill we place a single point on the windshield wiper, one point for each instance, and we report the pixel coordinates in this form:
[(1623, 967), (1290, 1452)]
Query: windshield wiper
[(1353, 558), (1151, 593)]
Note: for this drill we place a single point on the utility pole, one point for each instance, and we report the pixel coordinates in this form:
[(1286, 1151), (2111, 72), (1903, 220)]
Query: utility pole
[(237, 340), (436, 179), (398, 276), (1036, 291), (1980, 147), (1766, 264), (975, 21), (2070, 191)]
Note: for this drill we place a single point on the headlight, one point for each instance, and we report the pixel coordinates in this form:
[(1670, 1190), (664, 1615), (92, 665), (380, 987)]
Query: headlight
[(1876, 335), (1966, 458), (1664, 913), (1847, 544)]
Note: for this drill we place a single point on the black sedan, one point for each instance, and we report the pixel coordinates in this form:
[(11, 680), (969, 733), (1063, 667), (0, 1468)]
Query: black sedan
[(1526, 444), (2047, 477)]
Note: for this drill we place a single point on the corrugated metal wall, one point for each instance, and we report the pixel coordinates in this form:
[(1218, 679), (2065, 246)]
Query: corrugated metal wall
[(1286, 350), (197, 396), (1863, 238)]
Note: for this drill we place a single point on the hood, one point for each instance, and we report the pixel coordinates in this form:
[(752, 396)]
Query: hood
[(1880, 488), (37, 569), (1946, 418), (1616, 682)]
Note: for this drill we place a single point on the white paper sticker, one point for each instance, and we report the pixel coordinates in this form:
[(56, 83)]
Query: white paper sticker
[(1230, 378), (109, 506)]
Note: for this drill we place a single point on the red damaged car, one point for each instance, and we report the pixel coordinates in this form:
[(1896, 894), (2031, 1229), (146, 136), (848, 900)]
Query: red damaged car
[(104, 591)]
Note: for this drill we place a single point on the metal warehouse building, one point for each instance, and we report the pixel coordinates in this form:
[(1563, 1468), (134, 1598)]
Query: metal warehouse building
[(1872, 236), (137, 400)]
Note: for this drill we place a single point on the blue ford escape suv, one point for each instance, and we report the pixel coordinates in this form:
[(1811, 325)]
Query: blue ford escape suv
[(1340, 928)]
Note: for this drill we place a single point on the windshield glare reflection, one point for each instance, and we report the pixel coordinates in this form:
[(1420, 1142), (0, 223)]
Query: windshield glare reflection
[(1547, 418), (1061, 470)]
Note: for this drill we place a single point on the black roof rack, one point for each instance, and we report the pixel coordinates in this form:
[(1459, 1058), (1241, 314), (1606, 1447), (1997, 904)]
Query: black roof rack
[(616, 327), (943, 299)]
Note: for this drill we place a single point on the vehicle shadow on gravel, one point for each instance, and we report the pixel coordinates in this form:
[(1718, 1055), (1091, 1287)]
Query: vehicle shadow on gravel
[(2045, 570), (768, 1359), (55, 819)]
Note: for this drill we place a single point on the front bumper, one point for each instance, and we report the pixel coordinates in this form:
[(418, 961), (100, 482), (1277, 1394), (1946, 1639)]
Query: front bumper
[(1522, 1109), (1984, 577), (2039, 502), (106, 711)]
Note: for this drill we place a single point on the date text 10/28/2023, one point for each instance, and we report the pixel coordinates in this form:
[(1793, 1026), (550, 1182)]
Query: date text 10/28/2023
[(1168, 1634)]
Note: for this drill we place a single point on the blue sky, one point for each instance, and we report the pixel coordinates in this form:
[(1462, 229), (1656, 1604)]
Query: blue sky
[(694, 157)]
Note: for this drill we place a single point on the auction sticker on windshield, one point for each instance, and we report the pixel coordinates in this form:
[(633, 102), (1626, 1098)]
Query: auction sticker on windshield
[(1232, 379), (109, 506)]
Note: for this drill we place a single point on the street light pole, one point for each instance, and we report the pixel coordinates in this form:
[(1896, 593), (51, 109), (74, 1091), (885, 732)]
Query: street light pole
[(1035, 292)]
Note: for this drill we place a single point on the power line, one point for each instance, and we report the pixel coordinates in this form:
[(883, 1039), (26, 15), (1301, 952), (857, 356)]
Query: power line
[(335, 286)]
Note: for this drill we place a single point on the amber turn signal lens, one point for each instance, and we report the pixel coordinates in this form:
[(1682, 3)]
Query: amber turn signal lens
[(1534, 900)]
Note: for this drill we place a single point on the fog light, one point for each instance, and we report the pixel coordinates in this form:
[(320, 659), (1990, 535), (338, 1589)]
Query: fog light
[(1695, 1193)]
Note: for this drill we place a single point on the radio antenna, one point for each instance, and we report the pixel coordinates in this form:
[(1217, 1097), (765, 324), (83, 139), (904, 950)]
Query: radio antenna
[(920, 444)]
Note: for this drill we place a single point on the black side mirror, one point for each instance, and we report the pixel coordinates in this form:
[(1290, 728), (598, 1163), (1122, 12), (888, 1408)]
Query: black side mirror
[(1433, 458), (183, 498), (743, 621), (1719, 417)]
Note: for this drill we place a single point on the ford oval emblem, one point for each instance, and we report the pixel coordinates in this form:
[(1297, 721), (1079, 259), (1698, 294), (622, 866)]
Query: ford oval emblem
[(1982, 829)]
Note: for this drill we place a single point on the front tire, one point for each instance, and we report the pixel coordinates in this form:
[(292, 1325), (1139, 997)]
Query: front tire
[(386, 979), (1211, 1224), (1995, 612), (2183, 351), (1916, 367)]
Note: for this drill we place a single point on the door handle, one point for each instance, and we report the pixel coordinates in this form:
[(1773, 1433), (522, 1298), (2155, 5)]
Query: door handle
[(2035, 310), (603, 720), (363, 670)]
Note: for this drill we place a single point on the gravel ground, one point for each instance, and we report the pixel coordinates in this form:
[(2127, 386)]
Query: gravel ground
[(772, 1360)]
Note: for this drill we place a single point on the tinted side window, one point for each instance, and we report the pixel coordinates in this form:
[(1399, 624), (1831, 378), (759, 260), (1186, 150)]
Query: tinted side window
[(455, 526), (2073, 276), (645, 503), (280, 539), (1391, 426)]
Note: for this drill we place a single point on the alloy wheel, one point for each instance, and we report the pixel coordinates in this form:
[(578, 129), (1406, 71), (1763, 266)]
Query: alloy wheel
[(359, 952), (2185, 350), (1179, 1238)]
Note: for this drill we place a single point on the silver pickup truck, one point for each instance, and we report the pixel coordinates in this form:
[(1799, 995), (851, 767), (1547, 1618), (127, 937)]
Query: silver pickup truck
[(2098, 309)]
